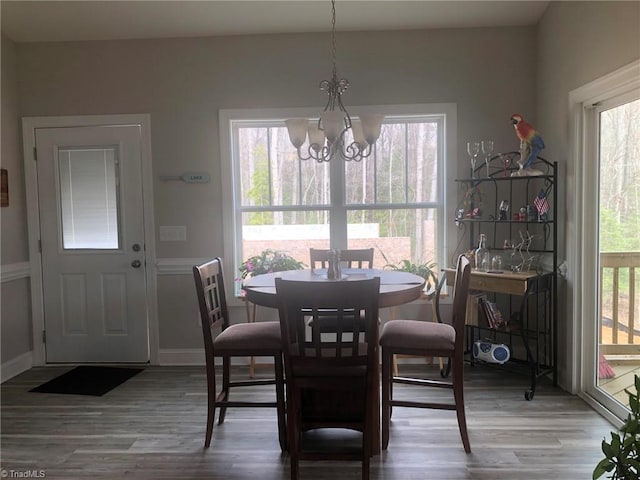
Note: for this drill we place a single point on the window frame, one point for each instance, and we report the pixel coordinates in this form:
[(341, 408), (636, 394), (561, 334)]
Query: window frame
[(231, 119)]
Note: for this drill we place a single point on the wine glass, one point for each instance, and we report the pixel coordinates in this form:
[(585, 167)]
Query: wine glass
[(487, 149), (473, 148)]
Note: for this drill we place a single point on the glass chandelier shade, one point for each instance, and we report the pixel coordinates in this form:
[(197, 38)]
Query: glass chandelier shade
[(328, 135)]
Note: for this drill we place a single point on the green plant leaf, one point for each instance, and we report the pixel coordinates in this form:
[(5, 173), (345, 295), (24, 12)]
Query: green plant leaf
[(635, 464), (269, 261), (604, 466), (615, 442), (426, 270), (622, 455), (607, 448)]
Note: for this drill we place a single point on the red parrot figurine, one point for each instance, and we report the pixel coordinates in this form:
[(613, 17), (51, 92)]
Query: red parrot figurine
[(530, 141)]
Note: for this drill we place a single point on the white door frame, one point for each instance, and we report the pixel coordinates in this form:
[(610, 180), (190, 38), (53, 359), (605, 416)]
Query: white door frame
[(29, 125), (583, 228)]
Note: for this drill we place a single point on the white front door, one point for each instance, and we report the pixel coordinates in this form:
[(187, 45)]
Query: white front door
[(92, 243)]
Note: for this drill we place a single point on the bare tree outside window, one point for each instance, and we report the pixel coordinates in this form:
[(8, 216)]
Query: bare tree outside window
[(619, 235), (391, 201)]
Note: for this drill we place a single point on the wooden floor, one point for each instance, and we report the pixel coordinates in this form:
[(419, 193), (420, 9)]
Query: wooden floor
[(152, 427)]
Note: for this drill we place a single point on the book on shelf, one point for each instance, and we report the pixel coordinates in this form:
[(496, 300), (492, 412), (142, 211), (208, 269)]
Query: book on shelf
[(474, 314), (493, 314)]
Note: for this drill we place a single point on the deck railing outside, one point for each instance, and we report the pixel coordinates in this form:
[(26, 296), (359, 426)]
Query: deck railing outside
[(619, 316)]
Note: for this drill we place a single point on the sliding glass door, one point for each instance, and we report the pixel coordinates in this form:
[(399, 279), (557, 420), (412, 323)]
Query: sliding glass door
[(617, 122)]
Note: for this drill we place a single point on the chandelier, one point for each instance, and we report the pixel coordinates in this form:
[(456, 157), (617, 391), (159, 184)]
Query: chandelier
[(328, 134)]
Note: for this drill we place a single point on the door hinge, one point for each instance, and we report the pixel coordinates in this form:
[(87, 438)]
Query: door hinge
[(44, 336), (35, 154)]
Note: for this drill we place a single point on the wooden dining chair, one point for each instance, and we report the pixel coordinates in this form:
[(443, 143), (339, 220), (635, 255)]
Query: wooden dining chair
[(330, 383), (429, 339), (433, 297), (349, 258), (239, 340)]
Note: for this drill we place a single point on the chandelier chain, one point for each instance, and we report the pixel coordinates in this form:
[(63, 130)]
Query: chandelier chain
[(333, 37)]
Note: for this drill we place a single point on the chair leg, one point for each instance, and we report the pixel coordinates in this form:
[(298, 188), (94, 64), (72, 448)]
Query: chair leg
[(445, 371), (458, 394), (440, 364), (294, 469), (226, 378), (391, 392), (387, 359), (280, 403), (211, 402), (367, 445), (293, 422)]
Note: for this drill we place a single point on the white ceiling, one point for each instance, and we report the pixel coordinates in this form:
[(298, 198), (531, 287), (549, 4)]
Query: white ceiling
[(35, 21)]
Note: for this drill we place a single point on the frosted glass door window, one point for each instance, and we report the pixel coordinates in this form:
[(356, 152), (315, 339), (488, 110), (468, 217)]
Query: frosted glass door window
[(89, 198)]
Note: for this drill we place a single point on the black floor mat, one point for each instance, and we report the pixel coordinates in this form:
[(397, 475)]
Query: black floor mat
[(88, 380)]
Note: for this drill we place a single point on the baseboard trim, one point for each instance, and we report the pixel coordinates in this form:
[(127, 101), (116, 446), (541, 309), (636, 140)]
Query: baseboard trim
[(195, 356), (180, 356), (16, 366)]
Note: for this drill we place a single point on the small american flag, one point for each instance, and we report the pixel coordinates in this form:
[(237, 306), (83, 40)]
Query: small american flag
[(541, 203)]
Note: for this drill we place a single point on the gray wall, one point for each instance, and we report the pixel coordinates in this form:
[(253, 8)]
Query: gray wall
[(578, 42), (184, 83), (15, 303), (489, 73)]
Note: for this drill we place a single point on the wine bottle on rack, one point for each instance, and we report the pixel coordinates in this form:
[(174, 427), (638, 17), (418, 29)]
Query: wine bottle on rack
[(482, 254)]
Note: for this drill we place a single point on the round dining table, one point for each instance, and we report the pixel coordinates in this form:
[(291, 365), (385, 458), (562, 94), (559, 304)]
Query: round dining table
[(396, 288)]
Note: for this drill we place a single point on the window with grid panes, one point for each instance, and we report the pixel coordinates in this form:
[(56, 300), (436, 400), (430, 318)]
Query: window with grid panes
[(394, 200)]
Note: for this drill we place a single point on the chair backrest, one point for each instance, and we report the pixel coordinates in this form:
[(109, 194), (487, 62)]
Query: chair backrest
[(460, 295), (209, 279), (351, 258), (304, 346)]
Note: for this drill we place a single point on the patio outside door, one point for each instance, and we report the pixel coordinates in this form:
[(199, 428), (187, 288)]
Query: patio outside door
[(618, 332), (92, 242)]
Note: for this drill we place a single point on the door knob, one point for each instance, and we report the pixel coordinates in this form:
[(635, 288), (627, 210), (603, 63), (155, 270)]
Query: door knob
[(136, 264)]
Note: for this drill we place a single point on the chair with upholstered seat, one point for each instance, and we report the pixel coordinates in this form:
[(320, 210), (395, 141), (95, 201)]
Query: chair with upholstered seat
[(239, 340), (433, 296), (331, 384), (429, 339)]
